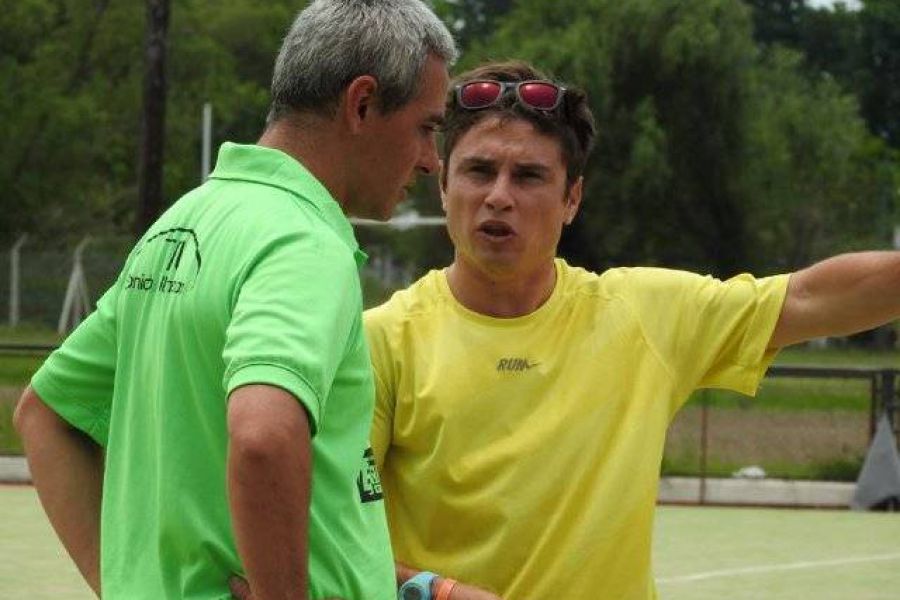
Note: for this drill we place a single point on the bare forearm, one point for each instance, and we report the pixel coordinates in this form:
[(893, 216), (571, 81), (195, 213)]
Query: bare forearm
[(839, 296), (67, 470), (269, 474)]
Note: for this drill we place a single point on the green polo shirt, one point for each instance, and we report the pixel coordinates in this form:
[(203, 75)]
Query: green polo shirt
[(251, 278)]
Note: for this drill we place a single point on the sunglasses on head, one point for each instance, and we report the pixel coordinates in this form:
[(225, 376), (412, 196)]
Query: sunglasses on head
[(535, 94)]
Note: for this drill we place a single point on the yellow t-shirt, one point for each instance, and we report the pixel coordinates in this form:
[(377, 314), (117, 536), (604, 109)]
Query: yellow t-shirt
[(522, 455)]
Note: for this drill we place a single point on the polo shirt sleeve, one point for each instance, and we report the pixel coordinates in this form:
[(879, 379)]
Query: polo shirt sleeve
[(294, 311), (77, 379), (709, 333)]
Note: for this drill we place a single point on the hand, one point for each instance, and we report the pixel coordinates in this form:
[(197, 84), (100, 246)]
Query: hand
[(462, 591), (240, 589)]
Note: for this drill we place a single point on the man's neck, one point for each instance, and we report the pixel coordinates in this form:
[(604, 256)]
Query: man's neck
[(497, 295), (316, 147)]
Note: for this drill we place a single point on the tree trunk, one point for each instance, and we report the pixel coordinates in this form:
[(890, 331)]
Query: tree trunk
[(153, 119)]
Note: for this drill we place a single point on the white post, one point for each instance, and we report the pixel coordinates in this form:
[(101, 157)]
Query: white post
[(14, 297), (76, 303), (206, 137)]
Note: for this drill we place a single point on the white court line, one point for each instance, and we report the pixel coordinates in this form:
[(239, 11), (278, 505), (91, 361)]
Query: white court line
[(772, 568)]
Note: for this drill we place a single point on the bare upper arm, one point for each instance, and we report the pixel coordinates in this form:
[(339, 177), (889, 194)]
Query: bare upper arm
[(264, 416)]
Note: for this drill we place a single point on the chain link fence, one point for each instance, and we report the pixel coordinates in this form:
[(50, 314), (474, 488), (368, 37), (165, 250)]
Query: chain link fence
[(812, 423), (45, 269)]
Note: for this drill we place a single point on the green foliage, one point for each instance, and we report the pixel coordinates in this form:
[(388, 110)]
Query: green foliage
[(821, 183), (879, 78), (72, 71), (471, 20)]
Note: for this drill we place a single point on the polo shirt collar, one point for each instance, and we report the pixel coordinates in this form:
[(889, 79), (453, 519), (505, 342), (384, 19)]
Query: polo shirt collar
[(268, 166)]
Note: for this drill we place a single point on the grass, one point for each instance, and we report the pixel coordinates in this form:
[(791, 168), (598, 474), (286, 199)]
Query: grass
[(17, 369), (839, 357), (837, 469), (9, 440), (29, 334), (699, 553), (793, 394)]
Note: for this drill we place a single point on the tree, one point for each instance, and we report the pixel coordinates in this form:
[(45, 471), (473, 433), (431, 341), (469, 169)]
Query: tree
[(62, 72), (880, 23), (667, 79), (820, 180), (778, 21), (71, 74), (153, 116), (472, 20)]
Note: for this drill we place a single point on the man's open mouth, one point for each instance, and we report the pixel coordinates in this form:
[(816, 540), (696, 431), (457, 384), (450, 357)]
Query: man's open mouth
[(497, 230)]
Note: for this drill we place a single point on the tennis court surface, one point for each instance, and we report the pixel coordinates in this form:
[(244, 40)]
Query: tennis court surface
[(700, 554)]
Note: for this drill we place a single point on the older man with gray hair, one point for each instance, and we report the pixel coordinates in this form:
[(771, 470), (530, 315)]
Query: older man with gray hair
[(212, 416)]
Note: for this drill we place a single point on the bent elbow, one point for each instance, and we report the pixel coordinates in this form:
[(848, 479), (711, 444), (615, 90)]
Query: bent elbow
[(25, 410)]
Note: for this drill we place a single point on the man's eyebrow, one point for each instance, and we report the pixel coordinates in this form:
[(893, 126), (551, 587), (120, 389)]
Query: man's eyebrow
[(532, 167), (469, 161)]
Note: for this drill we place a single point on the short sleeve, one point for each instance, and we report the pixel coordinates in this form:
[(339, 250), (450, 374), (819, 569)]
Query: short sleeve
[(383, 417), (77, 379), (710, 333), (294, 311)]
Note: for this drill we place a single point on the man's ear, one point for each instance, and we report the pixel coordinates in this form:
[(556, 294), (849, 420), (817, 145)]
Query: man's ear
[(358, 102), (573, 200)]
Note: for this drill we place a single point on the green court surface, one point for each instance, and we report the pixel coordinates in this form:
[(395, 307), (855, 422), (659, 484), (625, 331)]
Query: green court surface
[(699, 554)]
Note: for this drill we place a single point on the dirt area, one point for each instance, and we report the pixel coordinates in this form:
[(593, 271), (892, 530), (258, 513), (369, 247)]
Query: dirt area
[(759, 436)]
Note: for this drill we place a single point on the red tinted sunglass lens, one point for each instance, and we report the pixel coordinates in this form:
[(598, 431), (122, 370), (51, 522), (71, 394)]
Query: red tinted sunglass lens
[(543, 96), (479, 94)]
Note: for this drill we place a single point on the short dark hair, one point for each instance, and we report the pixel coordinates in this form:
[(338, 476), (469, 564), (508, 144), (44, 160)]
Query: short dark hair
[(572, 123)]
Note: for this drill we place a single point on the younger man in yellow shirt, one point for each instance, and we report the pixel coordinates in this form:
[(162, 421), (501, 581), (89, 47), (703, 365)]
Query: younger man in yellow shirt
[(522, 403)]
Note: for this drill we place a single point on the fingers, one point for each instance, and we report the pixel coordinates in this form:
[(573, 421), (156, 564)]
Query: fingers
[(240, 589)]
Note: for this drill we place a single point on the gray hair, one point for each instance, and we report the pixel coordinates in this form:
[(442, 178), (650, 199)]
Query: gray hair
[(332, 42)]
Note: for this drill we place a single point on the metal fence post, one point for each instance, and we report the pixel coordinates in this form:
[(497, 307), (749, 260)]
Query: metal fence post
[(206, 144), (704, 443), (14, 291), (889, 395), (76, 304)]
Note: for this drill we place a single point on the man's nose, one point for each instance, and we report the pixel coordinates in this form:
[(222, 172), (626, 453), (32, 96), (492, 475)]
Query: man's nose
[(430, 163), (499, 196)]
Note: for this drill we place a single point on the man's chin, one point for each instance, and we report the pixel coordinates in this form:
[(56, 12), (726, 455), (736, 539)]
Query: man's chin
[(377, 212), (498, 262)]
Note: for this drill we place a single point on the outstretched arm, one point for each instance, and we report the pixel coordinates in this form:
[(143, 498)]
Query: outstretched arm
[(67, 470), (839, 296)]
